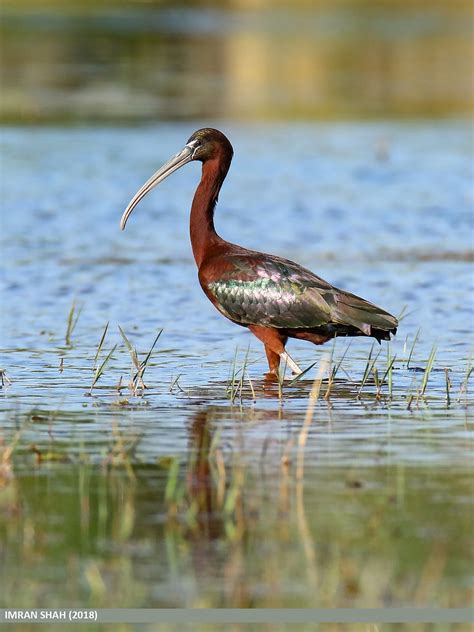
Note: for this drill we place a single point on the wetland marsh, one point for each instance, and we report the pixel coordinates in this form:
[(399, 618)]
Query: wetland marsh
[(214, 487), (191, 493)]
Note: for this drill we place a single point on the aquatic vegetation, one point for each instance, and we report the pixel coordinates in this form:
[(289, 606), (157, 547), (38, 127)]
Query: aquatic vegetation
[(4, 379), (100, 369), (137, 385), (376, 383), (464, 385), (238, 377), (72, 318), (427, 372), (131, 528), (100, 345)]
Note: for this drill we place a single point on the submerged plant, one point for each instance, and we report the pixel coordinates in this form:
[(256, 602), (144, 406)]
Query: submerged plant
[(100, 369), (413, 348), (334, 368), (238, 377), (387, 374), (4, 379), (426, 374), (465, 382), (448, 387), (136, 383), (101, 342), (369, 368), (72, 319)]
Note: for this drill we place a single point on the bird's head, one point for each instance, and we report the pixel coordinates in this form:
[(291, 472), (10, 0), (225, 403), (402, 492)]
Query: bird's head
[(204, 145), (209, 143)]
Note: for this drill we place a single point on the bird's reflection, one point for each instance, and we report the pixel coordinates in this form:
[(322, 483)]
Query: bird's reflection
[(199, 479), (223, 511)]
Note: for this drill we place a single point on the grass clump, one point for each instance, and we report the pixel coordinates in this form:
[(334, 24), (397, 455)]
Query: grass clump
[(238, 377), (136, 384), (100, 369)]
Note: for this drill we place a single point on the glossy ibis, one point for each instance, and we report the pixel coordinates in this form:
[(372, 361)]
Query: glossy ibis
[(275, 298)]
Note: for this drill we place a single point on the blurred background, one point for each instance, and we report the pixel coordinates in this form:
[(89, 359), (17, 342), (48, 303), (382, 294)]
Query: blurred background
[(134, 60)]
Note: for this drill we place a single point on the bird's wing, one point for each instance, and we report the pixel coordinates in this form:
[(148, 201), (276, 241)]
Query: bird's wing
[(275, 292), (353, 310)]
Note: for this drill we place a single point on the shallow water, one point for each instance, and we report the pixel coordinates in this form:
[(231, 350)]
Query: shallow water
[(379, 516)]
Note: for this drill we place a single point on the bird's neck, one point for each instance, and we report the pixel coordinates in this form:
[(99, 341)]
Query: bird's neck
[(204, 238)]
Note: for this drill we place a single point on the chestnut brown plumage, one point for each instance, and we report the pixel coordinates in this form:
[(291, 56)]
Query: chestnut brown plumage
[(275, 298)]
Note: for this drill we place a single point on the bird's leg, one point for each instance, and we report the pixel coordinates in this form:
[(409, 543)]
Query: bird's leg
[(274, 341), (273, 360), (291, 363)]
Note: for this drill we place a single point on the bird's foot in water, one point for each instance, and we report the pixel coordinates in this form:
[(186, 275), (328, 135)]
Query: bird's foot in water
[(274, 373), (273, 377)]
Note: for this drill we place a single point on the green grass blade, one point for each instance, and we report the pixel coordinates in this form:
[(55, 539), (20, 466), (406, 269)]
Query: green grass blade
[(367, 365), (131, 349), (99, 348), (402, 314), (72, 319), (101, 369), (369, 368), (296, 379), (413, 348), (148, 355), (426, 374), (143, 365), (338, 366), (388, 373)]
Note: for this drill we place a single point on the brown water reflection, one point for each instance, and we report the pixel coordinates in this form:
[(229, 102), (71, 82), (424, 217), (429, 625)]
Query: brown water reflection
[(236, 59)]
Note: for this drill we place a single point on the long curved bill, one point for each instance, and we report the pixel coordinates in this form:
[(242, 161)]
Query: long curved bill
[(183, 157)]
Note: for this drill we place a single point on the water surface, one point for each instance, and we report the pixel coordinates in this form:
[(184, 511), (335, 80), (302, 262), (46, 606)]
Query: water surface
[(87, 487)]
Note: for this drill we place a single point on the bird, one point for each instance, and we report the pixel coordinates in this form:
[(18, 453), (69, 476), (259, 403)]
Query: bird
[(275, 298)]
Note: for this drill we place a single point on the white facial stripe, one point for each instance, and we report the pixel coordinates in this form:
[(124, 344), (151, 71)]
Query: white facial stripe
[(193, 145)]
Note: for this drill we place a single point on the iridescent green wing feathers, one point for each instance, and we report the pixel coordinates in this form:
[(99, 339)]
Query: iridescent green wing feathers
[(278, 293), (355, 311)]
